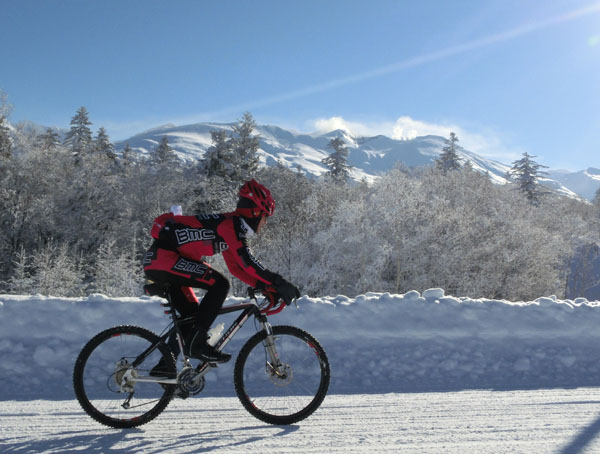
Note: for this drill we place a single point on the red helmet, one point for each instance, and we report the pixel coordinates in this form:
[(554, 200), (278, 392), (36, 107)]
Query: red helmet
[(261, 198)]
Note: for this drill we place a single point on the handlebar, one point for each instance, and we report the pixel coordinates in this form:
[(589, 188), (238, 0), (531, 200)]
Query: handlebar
[(275, 304)]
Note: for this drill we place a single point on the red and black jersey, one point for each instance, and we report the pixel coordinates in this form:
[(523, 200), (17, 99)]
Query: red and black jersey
[(195, 237)]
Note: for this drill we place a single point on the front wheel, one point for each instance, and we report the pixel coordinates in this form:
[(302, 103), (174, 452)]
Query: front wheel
[(288, 387), (112, 377)]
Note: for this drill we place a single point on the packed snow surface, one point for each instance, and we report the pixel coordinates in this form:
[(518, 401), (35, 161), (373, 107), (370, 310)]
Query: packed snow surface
[(542, 421), (376, 343)]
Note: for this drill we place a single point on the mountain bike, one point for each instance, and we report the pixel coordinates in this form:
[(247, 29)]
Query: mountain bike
[(281, 374)]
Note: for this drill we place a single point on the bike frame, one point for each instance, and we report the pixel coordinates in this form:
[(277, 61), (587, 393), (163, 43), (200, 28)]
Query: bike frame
[(250, 308)]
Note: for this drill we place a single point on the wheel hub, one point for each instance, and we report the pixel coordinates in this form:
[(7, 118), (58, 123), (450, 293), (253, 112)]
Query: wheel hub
[(121, 367), (125, 376), (282, 375)]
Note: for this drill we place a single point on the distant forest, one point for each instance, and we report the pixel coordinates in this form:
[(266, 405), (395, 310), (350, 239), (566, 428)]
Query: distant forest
[(75, 219)]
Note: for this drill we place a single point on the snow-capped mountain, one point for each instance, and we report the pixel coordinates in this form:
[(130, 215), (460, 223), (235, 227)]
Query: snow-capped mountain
[(369, 156), (585, 182)]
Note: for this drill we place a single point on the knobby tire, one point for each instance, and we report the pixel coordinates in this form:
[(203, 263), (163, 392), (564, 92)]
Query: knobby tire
[(90, 381), (288, 400)]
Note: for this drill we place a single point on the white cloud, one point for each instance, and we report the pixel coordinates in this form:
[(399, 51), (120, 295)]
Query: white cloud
[(486, 142), (354, 128), (406, 128)]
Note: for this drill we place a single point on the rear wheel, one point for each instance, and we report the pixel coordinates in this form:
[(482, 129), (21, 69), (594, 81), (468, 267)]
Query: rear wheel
[(286, 392), (105, 379)]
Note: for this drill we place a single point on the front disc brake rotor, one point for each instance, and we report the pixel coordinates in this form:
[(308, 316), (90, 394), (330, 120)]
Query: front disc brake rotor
[(281, 376)]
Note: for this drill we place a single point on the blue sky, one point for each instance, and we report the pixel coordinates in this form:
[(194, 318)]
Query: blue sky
[(508, 76)]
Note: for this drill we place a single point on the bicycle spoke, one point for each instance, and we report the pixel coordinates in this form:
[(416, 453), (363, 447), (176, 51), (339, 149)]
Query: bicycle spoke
[(105, 380), (289, 391)]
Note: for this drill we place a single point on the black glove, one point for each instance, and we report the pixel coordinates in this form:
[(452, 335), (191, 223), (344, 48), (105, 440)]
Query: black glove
[(286, 290)]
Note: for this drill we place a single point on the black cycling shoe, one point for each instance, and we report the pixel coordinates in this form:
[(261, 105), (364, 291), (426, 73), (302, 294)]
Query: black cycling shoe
[(200, 349), (210, 354), (160, 370)]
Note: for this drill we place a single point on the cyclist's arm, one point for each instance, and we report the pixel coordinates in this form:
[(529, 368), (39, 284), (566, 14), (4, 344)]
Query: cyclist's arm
[(240, 261), (245, 267)]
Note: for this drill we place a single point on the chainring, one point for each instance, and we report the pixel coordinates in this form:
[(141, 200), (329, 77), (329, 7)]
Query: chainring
[(190, 381)]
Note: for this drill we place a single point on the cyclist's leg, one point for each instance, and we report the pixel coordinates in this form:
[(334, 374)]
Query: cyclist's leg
[(183, 273), (217, 287)]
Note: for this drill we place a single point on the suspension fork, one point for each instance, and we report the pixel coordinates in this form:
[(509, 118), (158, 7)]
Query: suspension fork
[(273, 362)]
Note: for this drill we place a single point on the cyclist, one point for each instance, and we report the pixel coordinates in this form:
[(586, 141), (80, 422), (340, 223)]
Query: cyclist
[(176, 257)]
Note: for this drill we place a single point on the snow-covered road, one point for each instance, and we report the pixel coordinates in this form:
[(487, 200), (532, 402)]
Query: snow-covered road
[(562, 421)]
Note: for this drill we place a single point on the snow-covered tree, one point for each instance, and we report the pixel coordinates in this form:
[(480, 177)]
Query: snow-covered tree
[(233, 156), (464, 234), (218, 160), (93, 202), (127, 156), (449, 159), (48, 140), (5, 141), (21, 282), (6, 145), (287, 233), (244, 146), (79, 137), (164, 155), (103, 145), (117, 272), (596, 211), (336, 162), (525, 172), (56, 273)]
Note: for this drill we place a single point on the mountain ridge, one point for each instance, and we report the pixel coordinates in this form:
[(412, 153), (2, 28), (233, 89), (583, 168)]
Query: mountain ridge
[(369, 156)]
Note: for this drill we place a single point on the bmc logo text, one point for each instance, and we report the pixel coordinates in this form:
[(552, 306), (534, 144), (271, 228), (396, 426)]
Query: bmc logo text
[(190, 267), (190, 235)]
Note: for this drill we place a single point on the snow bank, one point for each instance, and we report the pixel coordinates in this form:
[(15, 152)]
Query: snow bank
[(376, 342)]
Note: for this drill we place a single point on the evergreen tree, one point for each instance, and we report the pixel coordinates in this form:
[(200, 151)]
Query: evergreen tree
[(79, 138), (244, 147), (525, 173), (219, 157), (48, 140), (164, 154), (336, 162), (103, 145), (127, 156), (449, 159), (5, 141), (233, 156)]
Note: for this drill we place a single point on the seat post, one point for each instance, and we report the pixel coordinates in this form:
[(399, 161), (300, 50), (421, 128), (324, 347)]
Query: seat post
[(163, 290), (176, 325)]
